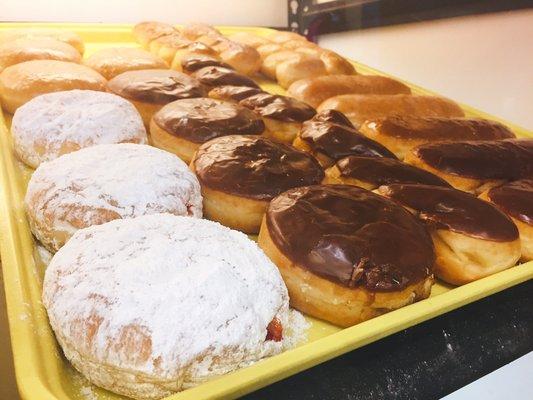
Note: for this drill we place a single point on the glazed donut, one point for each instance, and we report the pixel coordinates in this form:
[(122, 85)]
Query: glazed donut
[(271, 61), (516, 200), (295, 69), (249, 39), (330, 136), (166, 47), (113, 61), (101, 183), (22, 82), (283, 116), (183, 125), (146, 32), (54, 124), (267, 49), (62, 35), (21, 50), (400, 134), (475, 166), (284, 36), (195, 30), (315, 90), (149, 306), (239, 175), (149, 90), (233, 93), (373, 172), (472, 238), (361, 107), (220, 76), (347, 254)]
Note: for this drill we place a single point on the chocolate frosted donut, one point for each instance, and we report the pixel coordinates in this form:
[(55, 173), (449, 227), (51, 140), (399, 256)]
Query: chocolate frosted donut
[(516, 200), (233, 93), (330, 136), (372, 172), (474, 166), (181, 126), (402, 133), (149, 90), (241, 174), (283, 115), (199, 61), (220, 76), (347, 254), (472, 238)]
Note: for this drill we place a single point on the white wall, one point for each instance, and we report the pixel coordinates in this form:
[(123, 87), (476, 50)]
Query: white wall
[(220, 12), (485, 61)]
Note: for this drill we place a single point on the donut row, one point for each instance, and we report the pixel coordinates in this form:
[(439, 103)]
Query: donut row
[(356, 213)]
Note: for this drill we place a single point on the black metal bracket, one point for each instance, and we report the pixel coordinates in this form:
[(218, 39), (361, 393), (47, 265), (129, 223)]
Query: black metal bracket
[(314, 17)]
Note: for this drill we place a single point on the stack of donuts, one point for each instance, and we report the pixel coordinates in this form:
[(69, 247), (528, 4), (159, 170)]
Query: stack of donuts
[(153, 162)]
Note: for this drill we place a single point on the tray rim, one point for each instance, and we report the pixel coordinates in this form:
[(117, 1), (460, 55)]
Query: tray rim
[(14, 234)]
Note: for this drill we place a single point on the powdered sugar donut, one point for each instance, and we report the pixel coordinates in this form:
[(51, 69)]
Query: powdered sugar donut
[(149, 306), (106, 182), (58, 123)]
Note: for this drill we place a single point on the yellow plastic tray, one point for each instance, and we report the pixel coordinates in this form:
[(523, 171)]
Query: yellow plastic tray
[(43, 373)]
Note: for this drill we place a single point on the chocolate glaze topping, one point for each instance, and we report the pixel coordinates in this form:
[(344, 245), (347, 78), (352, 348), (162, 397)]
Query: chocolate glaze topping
[(279, 107), (235, 93), (515, 199), (454, 210), (199, 61), (158, 86), (385, 171), (254, 167), (496, 159), (200, 120), (437, 128), (351, 236), (331, 133), (220, 76)]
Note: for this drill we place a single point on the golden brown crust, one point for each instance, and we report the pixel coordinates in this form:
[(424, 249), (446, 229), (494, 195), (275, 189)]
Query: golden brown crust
[(315, 90), (25, 49), (147, 31), (340, 305), (183, 148), (295, 69), (359, 108), (21, 82), (236, 212), (525, 230), (62, 35), (111, 62), (324, 160), (462, 259)]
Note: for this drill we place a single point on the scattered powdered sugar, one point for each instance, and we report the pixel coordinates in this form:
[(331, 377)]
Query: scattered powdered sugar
[(105, 182), (183, 299), (54, 123)]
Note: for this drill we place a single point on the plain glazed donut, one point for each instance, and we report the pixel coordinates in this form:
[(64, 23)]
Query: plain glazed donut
[(239, 175), (472, 238), (22, 82), (54, 124), (101, 183), (183, 125), (149, 306), (113, 61), (21, 50), (347, 254), (62, 35), (516, 200)]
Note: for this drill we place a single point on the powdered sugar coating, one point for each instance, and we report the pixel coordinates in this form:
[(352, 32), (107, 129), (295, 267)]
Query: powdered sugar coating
[(105, 182), (57, 123), (194, 296)]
